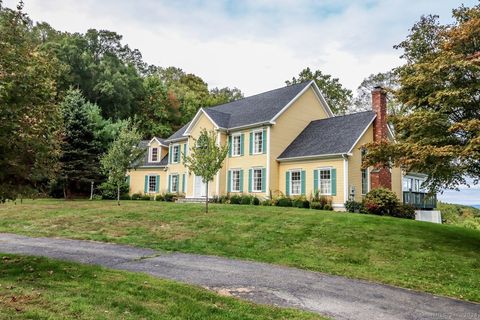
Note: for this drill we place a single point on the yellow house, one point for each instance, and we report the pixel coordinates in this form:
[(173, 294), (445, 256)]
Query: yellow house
[(284, 141)]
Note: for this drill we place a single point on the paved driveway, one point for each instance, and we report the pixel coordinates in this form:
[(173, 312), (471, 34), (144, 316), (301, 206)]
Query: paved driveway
[(337, 297)]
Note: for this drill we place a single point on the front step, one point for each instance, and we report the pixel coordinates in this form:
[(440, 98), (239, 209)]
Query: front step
[(192, 200)]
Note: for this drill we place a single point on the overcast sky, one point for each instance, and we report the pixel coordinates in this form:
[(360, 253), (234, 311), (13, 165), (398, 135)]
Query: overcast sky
[(254, 45)]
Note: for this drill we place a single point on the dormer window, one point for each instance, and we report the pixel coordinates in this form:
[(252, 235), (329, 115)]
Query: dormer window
[(154, 154)]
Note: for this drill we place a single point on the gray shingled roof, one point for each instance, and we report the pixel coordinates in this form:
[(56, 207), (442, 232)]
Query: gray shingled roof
[(329, 136), (179, 133), (259, 108), (144, 161)]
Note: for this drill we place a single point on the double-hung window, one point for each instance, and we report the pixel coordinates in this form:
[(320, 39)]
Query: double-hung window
[(154, 154), (235, 180), (325, 179), (174, 183), (364, 174), (258, 142), (176, 153), (236, 147), (152, 183), (295, 182), (257, 180)]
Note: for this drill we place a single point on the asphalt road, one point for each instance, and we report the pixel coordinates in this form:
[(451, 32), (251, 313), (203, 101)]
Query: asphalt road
[(333, 296)]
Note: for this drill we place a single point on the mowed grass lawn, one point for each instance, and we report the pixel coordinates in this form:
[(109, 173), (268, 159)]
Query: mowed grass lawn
[(440, 259), (39, 288)]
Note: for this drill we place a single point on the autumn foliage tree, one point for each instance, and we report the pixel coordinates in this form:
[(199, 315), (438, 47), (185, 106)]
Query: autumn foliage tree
[(440, 89)]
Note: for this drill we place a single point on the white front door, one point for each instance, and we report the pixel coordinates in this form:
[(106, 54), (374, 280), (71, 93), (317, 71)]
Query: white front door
[(200, 188)]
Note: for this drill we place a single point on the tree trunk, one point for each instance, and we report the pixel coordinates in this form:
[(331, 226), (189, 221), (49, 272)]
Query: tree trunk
[(206, 197), (118, 193)]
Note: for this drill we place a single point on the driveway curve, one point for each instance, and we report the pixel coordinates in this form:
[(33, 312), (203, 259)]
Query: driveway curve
[(333, 296)]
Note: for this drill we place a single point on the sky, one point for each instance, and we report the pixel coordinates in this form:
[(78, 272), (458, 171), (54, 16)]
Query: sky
[(256, 45)]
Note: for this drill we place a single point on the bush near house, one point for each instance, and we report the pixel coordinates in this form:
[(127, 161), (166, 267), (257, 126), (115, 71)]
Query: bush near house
[(382, 202)]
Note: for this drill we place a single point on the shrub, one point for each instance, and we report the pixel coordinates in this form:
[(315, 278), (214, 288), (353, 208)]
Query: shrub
[(108, 190), (223, 199), (353, 206), (324, 200), (235, 199), (328, 207), (125, 197), (146, 197), (169, 197), (245, 199), (284, 202), (136, 196), (267, 203), (405, 211), (159, 197), (255, 201), (300, 203), (97, 197), (316, 205), (381, 201)]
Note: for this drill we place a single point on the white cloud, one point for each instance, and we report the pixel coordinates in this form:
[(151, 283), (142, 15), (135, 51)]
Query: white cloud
[(254, 45)]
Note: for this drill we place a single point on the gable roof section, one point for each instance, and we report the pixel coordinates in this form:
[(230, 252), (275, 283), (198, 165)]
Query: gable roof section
[(143, 162), (330, 136), (159, 140), (259, 109)]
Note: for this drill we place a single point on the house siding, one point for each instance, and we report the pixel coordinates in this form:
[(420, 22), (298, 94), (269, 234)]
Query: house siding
[(288, 126), (137, 180), (309, 167)]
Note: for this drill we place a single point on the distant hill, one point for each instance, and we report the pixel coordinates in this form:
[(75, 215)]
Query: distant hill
[(465, 216), (476, 206)]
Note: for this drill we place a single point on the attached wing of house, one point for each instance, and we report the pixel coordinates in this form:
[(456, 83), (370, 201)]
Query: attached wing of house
[(284, 141)]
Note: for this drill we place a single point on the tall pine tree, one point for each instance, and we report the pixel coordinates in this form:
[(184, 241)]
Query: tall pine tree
[(80, 150)]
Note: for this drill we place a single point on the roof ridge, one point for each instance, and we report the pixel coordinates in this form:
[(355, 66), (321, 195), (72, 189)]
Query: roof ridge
[(344, 115), (257, 94)]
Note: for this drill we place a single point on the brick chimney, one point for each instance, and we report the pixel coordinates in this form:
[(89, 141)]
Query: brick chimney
[(380, 177)]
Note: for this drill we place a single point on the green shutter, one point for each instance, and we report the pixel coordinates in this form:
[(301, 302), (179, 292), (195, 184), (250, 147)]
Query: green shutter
[(183, 183), (303, 182), (264, 141), (315, 182), (287, 183), (184, 150), (334, 181), (170, 154), (241, 180), (169, 183), (242, 138), (145, 190), (229, 181), (230, 146), (249, 180), (128, 181), (157, 183), (264, 179), (251, 143)]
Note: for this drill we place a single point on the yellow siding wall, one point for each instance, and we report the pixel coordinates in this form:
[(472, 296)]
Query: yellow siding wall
[(309, 167), (288, 126), (137, 179), (397, 182), (246, 161), (355, 163)]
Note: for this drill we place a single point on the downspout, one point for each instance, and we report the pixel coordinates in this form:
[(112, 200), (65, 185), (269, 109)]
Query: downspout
[(345, 177)]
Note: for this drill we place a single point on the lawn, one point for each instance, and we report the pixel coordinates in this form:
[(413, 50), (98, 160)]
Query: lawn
[(440, 259), (39, 288)]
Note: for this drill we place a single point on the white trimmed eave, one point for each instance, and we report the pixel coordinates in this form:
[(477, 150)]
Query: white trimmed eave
[(317, 91), (158, 141), (362, 134), (314, 157), (249, 126), (195, 119)]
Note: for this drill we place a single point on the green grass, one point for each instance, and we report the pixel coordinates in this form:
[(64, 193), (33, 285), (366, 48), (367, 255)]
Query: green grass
[(441, 259), (39, 288)]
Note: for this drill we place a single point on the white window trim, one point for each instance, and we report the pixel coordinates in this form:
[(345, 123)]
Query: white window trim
[(178, 182), (253, 180), (320, 183), (254, 143), (179, 155), (155, 183), (367, 170), (239, 135), (291, 184), (150, 155), (231, 180)]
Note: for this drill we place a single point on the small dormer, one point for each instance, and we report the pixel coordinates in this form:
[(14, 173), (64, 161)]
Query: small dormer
[(156, 150)]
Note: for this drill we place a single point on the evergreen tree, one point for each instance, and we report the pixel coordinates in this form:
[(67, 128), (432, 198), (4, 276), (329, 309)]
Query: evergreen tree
[(80, 149)]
